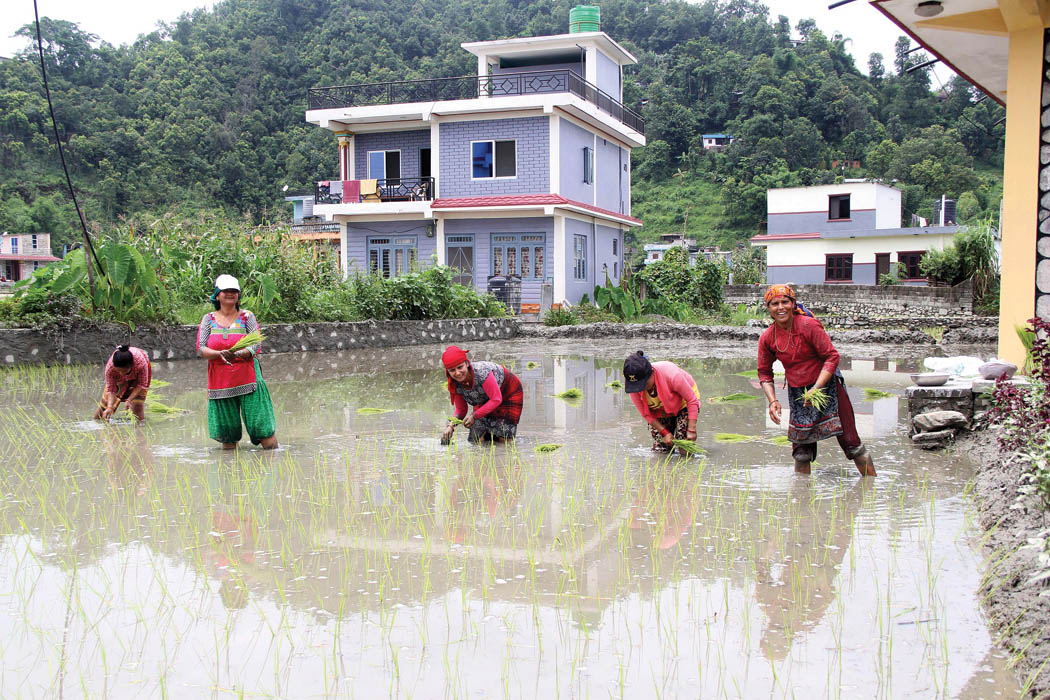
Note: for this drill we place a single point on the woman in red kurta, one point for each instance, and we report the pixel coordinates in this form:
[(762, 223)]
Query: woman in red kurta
[(810, 361), (493, 390), (128, 374)]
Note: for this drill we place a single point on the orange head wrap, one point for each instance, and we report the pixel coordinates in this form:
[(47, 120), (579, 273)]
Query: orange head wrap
[(779, 290)]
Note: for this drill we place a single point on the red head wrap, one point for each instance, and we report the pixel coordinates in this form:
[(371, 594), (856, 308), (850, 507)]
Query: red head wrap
[(453, 356), (779, 290)]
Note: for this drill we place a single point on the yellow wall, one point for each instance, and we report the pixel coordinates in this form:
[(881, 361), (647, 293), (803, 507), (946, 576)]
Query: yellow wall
[(1020, 176)]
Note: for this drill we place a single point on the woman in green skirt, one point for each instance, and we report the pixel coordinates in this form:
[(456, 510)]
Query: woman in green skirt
[(236, 389)]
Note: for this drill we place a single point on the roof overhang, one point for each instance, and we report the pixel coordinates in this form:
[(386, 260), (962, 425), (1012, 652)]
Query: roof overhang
[(537, 46), (970, 36)]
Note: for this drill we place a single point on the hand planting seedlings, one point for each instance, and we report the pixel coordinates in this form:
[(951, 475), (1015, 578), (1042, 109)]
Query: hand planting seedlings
[(688, 447), (817, 397)]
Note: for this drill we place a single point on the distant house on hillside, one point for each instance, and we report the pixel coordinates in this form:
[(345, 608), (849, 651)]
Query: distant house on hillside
[(716, 142), (848, 233), (22, 253), (656, 251), (518, 176)]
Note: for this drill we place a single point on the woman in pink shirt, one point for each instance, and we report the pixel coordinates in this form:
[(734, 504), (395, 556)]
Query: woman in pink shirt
[(810, 361), (494, 392), (666, 396), (128, 373)]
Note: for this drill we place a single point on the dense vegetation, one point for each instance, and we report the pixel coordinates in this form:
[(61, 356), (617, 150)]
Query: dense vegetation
[(163, 271), (207, 113)]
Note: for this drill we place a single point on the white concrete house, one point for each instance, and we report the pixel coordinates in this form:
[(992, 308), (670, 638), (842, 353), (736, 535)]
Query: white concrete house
[(847, 233)]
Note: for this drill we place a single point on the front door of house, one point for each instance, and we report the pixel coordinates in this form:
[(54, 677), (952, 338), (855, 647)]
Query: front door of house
[(459, 252), (882, 265)]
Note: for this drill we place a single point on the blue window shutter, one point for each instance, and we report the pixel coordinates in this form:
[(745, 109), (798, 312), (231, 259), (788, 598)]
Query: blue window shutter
[(481, 158)]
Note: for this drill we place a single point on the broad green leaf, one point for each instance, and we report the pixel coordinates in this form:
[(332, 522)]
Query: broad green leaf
[(119, 260), (68, 279)]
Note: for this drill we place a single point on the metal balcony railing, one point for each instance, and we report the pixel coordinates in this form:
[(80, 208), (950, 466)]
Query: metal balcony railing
[(473, 86), (400, 189)]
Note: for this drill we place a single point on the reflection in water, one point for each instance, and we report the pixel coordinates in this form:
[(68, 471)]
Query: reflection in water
[(366, 556)]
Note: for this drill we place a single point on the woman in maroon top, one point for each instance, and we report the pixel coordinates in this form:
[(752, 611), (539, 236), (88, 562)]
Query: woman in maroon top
[(810, 361), (128, 373)]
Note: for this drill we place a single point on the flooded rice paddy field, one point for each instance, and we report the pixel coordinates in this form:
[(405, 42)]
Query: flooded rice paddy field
[(363, 559)]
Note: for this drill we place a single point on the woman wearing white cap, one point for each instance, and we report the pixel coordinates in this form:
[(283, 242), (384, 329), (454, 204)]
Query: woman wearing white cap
[(236, 388)]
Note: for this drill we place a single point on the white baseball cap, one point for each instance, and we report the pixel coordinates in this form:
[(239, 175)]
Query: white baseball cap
[(223, 282)]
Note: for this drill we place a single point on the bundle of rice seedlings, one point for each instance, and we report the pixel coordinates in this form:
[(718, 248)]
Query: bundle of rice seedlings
[(874, 394), (818, 398), (365, 411), (689, 447), (158, 407), (571, 394), (733, 437), (615, 384), (547, 447), (781, 440), (253, 338), (455, 421), (531, 365), (752, 373), (738, 396), (158, 383)]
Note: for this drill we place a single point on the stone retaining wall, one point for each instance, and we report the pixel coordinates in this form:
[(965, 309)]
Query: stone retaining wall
[(715, 334), (868, 300), (20, 346)]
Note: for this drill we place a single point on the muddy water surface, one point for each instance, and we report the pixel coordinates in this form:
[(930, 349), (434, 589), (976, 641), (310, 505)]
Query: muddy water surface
[(363, 559)]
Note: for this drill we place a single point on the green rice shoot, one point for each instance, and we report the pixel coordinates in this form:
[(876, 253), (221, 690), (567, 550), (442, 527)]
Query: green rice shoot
[(455, 421), (734, 437), (781, 441), (689, 447), (158, 384), (253, 338), (572, 394), (158, 407), (615, 384), (738, 396), (817, 397), (366, 411), (548, 447), (753, 374), (532, 365), (876, 394)]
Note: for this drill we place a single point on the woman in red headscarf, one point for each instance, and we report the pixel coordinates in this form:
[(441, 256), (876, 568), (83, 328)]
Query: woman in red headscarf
[(810, 361), (493, 390)]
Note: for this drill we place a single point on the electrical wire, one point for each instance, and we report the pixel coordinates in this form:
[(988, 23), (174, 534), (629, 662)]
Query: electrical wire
[(58, 143)]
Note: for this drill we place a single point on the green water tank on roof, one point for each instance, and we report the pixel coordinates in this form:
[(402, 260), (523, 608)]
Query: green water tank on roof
[(585, 18)]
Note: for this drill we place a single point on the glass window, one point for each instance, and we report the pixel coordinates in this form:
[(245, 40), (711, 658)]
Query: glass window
[(588, 165), (14, 245), (579, 257), (616, 246), (384, 165), (391, 257), (493, 159), (910, 261), (839, 268), (519, 254)]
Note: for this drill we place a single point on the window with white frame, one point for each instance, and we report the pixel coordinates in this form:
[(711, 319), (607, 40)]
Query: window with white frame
[(521, 254), (391, 256), (588, 165), (384, 165), (33, 241), (14, 245), (579, 257), (616, 246), (490, 159)]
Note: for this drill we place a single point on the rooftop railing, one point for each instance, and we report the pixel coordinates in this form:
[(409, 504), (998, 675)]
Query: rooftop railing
[(473, 86)]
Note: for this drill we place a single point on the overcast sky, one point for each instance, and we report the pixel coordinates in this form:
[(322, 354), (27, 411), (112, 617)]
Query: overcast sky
[(121, 21)]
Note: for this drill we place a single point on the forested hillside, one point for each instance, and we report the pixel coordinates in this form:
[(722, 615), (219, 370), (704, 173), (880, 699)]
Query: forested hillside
[(208, 112)]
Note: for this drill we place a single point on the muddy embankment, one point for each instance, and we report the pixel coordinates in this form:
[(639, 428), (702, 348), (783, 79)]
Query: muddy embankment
[(952, 335), (1018, 613)]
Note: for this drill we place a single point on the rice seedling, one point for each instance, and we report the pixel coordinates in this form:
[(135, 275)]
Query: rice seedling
[(689, 447), (734, 437), (817, 397), (253, 338), (751, 373), (367, 411), (532, 365), (738, 396), (158, 407), (570, 394), (158, 383), (548, 447), (452, 420), (781, 441), (875, 394), (615, 384)]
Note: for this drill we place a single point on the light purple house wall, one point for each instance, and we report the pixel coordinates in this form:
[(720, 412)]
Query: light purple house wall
[(814, 221), (573, 139), (608, 254), (576, 288), (532, 135), (359, 233), (610, 175), (483, 231), (609, 76), (408, 142)]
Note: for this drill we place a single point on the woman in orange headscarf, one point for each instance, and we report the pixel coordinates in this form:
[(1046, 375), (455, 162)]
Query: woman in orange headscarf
[(810, 361)]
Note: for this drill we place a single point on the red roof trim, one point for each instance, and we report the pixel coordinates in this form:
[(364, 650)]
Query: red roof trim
[(877, 4), (783, 236), (30, 258), (519, 200)]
